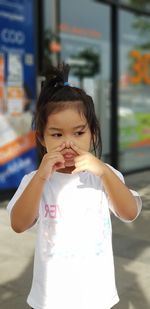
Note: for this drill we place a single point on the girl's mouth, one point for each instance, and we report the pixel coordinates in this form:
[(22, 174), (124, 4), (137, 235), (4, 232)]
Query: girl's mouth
[(68, 156)]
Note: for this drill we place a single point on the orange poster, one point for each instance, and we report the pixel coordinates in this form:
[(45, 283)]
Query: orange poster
[(15, 100)]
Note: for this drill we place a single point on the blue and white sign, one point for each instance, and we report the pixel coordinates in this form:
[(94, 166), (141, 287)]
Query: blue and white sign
[(17, 90)]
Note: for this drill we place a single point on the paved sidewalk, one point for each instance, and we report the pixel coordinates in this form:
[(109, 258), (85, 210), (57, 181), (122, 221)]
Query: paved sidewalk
[(131, 248)]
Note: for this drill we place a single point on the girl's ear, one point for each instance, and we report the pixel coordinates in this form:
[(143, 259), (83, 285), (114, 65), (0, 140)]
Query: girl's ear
[(40, 139)]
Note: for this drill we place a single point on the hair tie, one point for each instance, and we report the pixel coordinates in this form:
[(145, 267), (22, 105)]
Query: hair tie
[(66, 84)]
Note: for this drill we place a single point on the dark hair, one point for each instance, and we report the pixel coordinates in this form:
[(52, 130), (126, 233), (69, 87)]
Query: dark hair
[(57, 94)]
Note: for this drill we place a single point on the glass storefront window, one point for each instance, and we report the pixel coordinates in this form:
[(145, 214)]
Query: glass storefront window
[(134, 91), (84, 43), (142, 5), (79, 34)]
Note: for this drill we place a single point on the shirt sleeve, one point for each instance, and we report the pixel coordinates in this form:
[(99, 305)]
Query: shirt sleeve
[(24, 182), (135, 194)]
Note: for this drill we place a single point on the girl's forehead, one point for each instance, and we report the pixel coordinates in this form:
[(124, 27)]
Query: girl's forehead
[(68, 114)]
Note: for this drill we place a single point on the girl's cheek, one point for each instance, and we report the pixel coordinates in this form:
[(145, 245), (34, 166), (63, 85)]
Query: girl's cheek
[(52, 145), (84, 144)]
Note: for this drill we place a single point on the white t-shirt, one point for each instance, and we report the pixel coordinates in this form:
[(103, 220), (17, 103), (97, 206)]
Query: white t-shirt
[(73, 264)]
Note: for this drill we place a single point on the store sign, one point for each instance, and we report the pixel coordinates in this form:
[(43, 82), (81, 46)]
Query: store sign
[(1, 80), (17, 91), (140, 68), (12, 36)]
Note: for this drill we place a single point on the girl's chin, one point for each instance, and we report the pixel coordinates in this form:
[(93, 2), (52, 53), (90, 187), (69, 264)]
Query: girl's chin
[(69, 167), (69, 163), (67, 170)]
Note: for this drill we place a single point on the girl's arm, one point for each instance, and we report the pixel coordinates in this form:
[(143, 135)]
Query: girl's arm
[(25, 210), (123, 201)]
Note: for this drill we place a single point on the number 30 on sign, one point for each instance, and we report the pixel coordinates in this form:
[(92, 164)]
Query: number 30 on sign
[(140, 68)]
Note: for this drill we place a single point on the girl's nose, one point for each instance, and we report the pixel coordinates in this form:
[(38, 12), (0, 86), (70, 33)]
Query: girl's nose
[(67, 144)]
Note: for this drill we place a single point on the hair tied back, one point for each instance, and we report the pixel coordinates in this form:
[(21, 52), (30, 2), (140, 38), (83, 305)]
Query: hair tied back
[(56, 77)]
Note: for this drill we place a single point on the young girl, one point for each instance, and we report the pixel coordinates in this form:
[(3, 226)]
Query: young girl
[(70, 197)]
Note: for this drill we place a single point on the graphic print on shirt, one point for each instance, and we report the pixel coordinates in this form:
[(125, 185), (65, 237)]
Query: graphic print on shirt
[(74, 228), (51, 211), (50, 216)]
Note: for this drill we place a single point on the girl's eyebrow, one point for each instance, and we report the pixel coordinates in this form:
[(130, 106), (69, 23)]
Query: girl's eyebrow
[(81, 126), (74, 128), (54, 129)]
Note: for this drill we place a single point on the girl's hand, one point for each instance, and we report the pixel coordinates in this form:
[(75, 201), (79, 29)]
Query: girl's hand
[(51, 162), (86, 161)]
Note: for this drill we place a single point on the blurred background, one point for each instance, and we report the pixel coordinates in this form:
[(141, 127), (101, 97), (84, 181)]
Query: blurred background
[(107, 45)]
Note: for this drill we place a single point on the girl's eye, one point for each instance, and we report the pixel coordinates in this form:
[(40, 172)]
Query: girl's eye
[(79, 133), (56, 134)]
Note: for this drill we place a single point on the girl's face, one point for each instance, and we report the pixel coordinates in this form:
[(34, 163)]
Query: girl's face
[(63, 127)]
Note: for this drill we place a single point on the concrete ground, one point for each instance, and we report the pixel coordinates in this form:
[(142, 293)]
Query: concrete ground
[(131, 249)]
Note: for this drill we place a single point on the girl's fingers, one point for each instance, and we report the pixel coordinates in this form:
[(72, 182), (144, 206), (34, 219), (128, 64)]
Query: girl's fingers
[(55, 156), (57, 149), (80, 159), (78, 163), (77, 149), (59, 159), (54, 161), (79, 168), (62, 146), (59, 165)]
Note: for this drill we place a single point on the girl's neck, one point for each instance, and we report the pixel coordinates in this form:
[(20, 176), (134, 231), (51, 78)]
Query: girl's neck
[(66, 170)]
